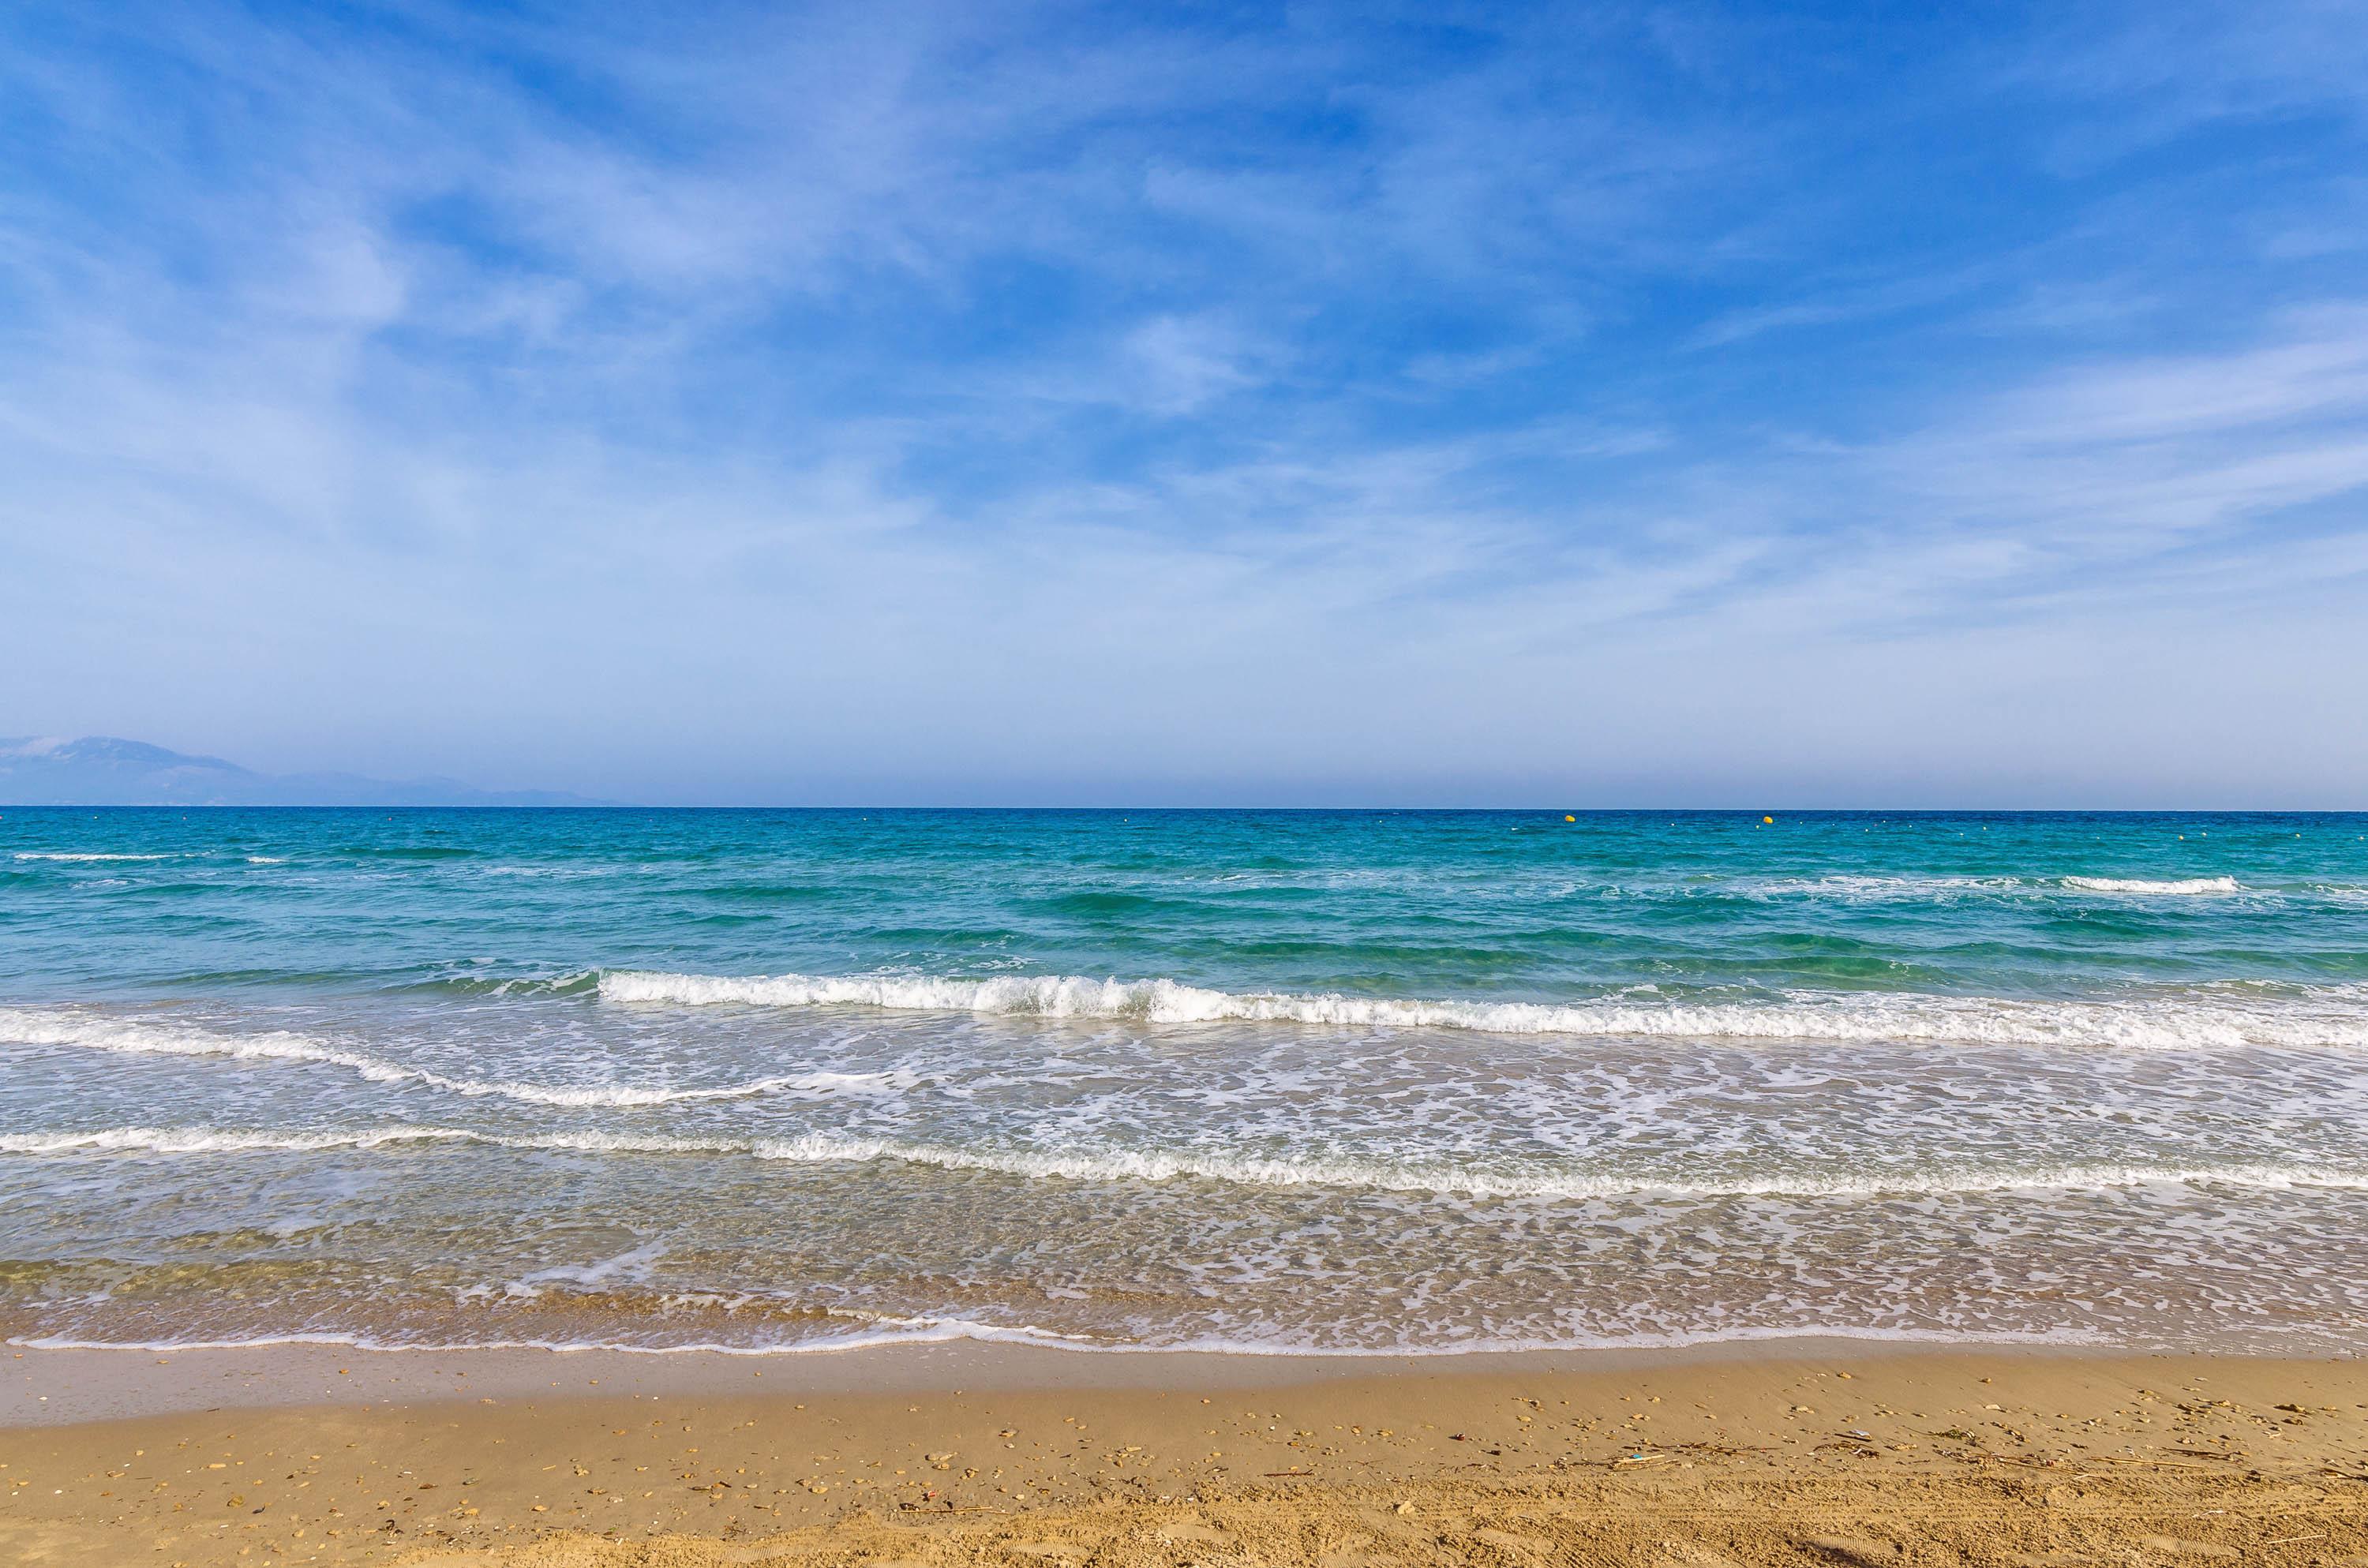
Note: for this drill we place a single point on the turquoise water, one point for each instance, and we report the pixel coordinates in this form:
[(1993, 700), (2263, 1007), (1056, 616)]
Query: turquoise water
[(1316, 1081)]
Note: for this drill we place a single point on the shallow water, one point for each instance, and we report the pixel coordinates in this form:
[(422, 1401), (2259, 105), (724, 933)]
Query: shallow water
[(1281, 1081)]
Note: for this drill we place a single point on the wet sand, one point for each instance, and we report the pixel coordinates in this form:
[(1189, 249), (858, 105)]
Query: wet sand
[(1792, 1453)]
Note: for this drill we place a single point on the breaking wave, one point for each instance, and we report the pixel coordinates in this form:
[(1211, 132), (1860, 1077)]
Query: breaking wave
[(1842, 1018), (76, 855), (2142, 885)]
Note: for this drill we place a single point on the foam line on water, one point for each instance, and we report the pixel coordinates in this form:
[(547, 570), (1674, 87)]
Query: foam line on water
[(149, 1037), (886, 1329), (81, 856), (2142, 885), (1107, 1164), (937, 1330), (218, 1140), (1842, 1018)]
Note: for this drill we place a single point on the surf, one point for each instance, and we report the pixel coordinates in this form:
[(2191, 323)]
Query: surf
[(2332, 1017)]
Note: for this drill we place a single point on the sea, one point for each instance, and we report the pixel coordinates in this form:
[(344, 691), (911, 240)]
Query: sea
[(1265, 1082)]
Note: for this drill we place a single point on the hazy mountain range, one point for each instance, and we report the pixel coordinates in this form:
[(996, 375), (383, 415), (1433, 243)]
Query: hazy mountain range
[(99, 770)]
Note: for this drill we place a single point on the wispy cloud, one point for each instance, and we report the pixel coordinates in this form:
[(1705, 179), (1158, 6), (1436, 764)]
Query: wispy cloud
[(972, 398)]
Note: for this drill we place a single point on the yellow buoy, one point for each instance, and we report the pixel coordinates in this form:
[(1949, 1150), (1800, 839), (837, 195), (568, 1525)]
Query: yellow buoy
[(1769, 820), (1568, 817)]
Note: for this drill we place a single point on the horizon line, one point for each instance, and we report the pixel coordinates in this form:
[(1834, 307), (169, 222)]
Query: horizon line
[(1575, 811)]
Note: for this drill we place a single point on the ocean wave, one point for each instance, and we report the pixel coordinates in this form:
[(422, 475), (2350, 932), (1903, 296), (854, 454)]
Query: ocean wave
[(2143, 885), (577, 983), (142, 1037), (1869, 885), (77, 855), (1847, 1018), (1855, 884), (1110, 1163)]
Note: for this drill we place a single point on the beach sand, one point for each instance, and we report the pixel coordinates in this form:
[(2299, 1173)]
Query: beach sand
[(1793, 1453)]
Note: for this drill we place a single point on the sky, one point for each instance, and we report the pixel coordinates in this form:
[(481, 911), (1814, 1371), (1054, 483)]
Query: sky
[(1152, 404)]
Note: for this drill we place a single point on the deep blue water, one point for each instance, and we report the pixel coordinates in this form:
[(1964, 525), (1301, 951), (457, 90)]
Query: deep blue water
[(1483, 906)]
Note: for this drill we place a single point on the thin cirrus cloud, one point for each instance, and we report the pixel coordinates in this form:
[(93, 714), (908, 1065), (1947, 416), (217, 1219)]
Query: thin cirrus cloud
[(1067, 403)]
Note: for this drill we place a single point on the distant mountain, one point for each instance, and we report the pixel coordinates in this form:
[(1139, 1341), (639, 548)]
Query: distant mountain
[(99, 770)]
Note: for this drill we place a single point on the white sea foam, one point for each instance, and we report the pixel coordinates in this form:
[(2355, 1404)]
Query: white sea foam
[(1107, 1164), (2157, 1024), (632, 1265), (65, 855), (214, 1140), (883, 1328), (1873, 886), (1848, 885), (893, 1330), (2143, 885), (149, 1037)]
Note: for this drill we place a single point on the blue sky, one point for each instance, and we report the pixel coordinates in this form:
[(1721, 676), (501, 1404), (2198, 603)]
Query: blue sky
[(1217, 403)]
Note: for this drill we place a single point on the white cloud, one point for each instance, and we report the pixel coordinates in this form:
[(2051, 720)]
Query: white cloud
[(861, 392)]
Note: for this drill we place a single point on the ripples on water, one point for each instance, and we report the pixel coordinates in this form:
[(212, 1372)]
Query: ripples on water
[(1267, 1081)]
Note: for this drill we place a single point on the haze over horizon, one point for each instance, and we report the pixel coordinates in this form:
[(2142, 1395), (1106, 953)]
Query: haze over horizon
[(1054, 404), (59, 773)]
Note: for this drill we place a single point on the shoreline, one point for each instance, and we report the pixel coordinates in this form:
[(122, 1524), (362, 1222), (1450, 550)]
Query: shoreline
[(53, 1385), (1735, 1453)]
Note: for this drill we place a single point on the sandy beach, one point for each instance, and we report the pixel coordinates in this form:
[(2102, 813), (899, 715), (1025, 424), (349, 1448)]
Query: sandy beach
[(1803, 1452)]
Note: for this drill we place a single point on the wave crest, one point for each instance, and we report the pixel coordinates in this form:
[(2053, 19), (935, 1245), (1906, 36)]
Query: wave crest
[(1845, 1019), (2143, 885), (81, 856)]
